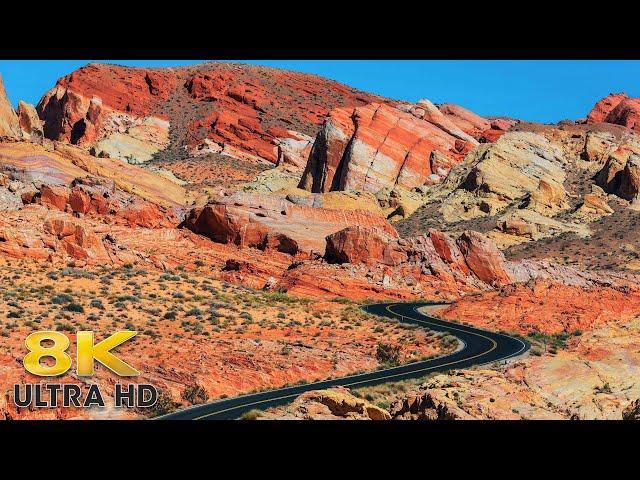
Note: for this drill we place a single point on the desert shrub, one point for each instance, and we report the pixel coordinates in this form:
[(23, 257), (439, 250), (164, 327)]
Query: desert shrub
[(64, 327), (127, 298), (251, 415), (388, 354), (163, 406), (285, 350), (95, 303), (342, 300), (76, 273), (195, 394), (61, 298)]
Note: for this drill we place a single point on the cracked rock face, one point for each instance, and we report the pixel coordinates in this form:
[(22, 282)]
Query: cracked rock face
[(8, 119), (376, 146)]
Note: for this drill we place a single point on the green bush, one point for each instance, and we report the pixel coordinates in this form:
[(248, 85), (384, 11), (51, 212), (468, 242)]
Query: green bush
[(74, 307), (388, 354), (195, 394), (61, 298)]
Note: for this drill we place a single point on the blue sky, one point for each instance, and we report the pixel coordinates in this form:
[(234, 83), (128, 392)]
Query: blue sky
[(542, 91)]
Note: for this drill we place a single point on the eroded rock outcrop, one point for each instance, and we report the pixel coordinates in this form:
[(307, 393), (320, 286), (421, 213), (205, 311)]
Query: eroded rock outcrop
[(99, 198), (629, 186), (520, 167), (377, 146), (251, 219), (332, 404), (357, 245), (483, 258), (621, 176), (8, 119), (59, 163), (472, 254), (617, 108), (249, 112), (29, 122)]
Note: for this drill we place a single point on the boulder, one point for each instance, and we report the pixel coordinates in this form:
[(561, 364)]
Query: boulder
[(630, 179), (356, 245), (55, 196), (76, 240), (621, 177), (29, 122), (519, 228), (335, 403), (594, 205), (472, 256), (225, 224), (483, 258), (448, 250)]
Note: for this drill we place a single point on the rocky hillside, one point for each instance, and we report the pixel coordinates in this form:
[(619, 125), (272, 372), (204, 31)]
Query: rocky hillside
[(378, 146), (539, 189), (277, 189), (174, 113)]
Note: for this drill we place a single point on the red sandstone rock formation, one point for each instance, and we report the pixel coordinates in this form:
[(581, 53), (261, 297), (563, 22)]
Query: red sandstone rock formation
[(357, 245), (468, 121), (8, 120), (544, 306), (240, 109), (376, 146), (29, 122), (76, 109), (472, 254), (252, 219), (604, 106), (77, 241), (483, 258), (100, 199), (617, 108), (448, 250)]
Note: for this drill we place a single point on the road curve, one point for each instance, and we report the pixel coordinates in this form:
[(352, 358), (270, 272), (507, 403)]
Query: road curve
[(479, 347)]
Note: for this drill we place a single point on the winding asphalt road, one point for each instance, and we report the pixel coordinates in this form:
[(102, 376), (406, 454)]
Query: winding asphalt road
[(478, 347)]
